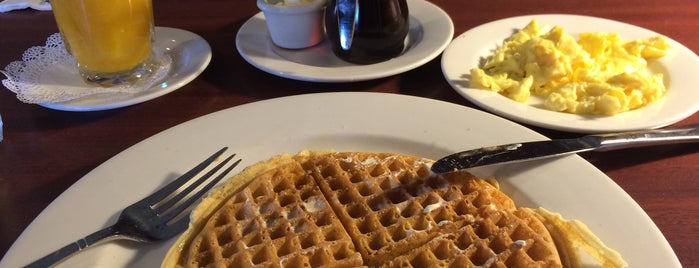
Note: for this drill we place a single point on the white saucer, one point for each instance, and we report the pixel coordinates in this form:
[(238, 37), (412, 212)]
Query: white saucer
[(680, 101), (190, 55), (431, 30)]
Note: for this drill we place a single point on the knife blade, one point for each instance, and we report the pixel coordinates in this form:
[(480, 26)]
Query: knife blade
[(524, 151)]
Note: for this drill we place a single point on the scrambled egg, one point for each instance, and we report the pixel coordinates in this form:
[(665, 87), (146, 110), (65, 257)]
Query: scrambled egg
[(598, 74)]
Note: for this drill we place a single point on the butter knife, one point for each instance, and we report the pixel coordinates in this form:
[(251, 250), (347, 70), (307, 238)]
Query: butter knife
[(517, 152)]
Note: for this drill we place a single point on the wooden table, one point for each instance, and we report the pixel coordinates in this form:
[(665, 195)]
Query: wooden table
[(45, 151)]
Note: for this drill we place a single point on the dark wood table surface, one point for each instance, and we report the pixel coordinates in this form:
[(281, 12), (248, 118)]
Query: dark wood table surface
[(45, 151)]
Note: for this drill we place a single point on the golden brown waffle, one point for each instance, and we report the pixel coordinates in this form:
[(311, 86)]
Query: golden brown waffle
[(279, 219), (501, 239), (373, 209)]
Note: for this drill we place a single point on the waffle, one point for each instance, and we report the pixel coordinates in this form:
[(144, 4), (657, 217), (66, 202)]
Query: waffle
[(280, 219), (362, 209), (501, 239)]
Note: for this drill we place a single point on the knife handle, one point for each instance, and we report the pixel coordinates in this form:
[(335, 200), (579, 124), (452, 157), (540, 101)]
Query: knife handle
[(672, 135)]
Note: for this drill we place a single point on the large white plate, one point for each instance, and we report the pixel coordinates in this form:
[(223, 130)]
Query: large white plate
[(339, 121), (190, 55), (681, 100), (431, 30)]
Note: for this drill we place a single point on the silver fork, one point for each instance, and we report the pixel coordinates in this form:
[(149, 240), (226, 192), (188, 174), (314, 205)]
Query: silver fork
[(159, 216)]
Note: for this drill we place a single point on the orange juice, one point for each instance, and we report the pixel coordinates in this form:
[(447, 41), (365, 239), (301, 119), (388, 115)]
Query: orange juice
[(106, 37)]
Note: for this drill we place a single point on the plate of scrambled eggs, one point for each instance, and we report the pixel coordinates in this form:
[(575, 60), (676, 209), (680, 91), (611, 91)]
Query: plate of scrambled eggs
[(574, 73)]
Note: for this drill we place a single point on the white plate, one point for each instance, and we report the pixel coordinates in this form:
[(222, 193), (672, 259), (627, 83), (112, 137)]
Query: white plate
[(681, 100), (431, 29), (190, 55), (385, 122)]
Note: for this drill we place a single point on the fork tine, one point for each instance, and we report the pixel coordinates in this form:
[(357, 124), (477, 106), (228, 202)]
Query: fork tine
[(167, 190), (162, 208), (181, 223)]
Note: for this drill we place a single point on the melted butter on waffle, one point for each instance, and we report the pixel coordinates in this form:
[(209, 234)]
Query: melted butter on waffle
[(572, 235), (349, 209)]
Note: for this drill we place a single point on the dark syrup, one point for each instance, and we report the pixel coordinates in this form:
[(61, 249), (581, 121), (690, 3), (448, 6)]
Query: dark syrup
[(379, 34)]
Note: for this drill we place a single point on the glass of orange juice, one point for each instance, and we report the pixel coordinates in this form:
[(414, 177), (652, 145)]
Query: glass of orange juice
[(112, 41)]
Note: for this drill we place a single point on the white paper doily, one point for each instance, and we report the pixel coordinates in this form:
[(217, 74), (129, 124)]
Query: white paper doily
[(48, 74)]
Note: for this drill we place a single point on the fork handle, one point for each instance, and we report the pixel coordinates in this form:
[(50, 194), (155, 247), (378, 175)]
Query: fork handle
[(68, 250)]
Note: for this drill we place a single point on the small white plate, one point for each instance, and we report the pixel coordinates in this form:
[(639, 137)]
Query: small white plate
[(431, 30), (333, 121), (678, 67), (190, 55)]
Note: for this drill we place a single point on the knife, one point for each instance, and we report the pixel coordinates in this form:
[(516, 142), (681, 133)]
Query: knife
[(517, 152)]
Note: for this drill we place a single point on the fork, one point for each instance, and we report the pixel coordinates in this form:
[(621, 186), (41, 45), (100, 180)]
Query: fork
[(159, 216)]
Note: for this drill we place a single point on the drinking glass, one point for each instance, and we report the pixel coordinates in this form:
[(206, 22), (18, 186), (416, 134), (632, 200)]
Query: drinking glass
[(112, 41)]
